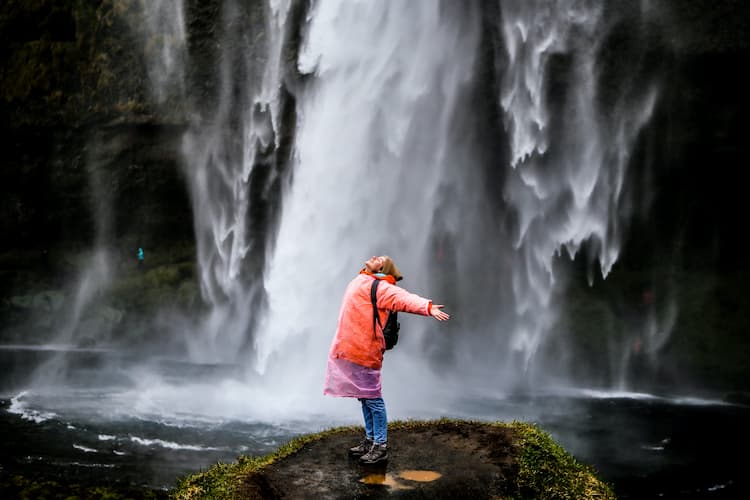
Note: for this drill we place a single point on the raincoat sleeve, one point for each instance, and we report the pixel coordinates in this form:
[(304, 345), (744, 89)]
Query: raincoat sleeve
[(395, 298)]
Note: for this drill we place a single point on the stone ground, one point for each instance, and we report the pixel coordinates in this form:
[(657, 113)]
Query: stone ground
[(451, 460)]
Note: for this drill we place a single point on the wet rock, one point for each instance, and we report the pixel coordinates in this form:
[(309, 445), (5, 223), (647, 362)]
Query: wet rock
[(447, 461), (440, 459)]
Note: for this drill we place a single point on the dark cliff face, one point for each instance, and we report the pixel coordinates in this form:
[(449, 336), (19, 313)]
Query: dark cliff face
[(74, 75), (694, 147), (78, 126), (81, 124)]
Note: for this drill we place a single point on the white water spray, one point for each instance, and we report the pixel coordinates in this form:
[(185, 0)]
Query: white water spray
[(84, 319), (160, 26), (164, 39)]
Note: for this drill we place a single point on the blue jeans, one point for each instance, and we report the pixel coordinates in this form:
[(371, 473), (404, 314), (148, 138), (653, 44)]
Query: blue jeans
[(376, 420)]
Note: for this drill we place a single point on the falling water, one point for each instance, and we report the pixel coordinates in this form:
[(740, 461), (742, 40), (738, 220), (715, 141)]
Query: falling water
[(81, 321), (163, 38), (389, 160), (375, 148), (88, 321), (162, 27), (566, 178), (391, 155), (220, 157)]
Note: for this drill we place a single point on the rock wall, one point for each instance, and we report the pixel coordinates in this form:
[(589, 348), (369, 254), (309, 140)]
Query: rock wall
[(74, 81), (74, 108)]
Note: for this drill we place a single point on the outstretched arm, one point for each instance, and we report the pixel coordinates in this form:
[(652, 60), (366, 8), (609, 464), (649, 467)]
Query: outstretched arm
[(395, 298), (435, 312)]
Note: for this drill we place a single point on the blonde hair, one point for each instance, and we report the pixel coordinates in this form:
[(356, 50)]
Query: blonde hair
[(389, 267)]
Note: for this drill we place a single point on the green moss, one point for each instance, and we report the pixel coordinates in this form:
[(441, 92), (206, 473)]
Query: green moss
[(548, 471), (153, 288)]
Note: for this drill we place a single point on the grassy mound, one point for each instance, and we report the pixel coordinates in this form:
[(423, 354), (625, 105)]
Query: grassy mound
[(486, 460)]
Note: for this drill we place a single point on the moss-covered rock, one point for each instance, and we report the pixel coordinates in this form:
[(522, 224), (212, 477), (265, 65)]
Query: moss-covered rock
[(128, 295), (427, 459)]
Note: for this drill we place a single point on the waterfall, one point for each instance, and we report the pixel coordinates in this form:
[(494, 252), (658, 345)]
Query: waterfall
[(221, 155), (393, 153), (375, 152), (566, 176), (85, 320), (392, 157), (164, 37), (160, 28)]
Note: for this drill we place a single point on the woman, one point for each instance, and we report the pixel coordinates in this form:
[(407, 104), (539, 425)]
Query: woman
[(356, 354)]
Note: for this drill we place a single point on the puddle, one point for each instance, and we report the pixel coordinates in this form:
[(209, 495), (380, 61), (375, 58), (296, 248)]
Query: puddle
[(385, 480), (423, 476), (391, 480)]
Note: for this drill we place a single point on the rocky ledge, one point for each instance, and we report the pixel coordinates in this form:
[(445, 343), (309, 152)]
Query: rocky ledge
[(437, 459)]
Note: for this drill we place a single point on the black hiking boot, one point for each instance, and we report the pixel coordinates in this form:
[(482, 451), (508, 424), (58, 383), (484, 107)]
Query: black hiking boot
[(378, 453), (361, 448)]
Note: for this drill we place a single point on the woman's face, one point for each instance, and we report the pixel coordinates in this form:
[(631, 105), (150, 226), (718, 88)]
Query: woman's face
[(374, 264)]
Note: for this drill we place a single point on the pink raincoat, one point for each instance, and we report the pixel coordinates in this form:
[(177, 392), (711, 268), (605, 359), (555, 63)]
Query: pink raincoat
[(356, 353)]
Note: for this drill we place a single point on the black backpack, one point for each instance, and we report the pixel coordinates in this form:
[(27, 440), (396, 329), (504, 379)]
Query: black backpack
[(392, 326)]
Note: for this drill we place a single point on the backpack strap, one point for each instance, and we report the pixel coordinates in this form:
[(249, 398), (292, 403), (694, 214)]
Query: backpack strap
[(374, 300)]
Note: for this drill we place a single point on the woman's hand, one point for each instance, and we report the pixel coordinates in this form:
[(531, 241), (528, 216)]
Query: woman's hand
[(439, 315)]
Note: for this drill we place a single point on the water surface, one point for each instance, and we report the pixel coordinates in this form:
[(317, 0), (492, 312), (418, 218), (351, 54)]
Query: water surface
[(95, 426)]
